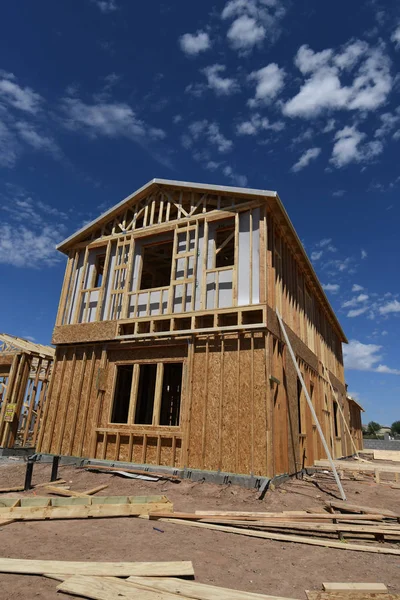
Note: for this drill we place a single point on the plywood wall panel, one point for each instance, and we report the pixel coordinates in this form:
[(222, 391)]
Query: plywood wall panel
[(199, 404), (212, 416), (244, 424), (260, 406), (228, 406)]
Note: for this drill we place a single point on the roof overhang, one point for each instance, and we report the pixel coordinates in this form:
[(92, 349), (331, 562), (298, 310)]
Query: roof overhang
[(351, 399), (272, 196)]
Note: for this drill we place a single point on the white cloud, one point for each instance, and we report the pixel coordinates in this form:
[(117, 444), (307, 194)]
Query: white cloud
[(389, 122), (211, 132), (108, 119), (339, 193), (253, 21), (356, 312), (256, 124), (239, 180), (364, 254), (34, 138), (331, 287), (244, 33), (357, 288), (24, 99), (396, 37), (194, 43), (222, 86), (355, 300), (323, 89), (106, 6), (324, 242), (9, 147), (316, 255), (306, 158), (390, 307), (348, 147), (269, 82), (27, 248), (364, 357)]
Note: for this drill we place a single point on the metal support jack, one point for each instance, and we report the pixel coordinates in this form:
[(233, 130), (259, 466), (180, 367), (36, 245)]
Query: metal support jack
[(310, 404)]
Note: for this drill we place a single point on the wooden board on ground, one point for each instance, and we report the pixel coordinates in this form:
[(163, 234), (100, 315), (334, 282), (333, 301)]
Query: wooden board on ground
[(98, 569), (345, 465), (274, 517), (60, 491), (387, 455), (351, 596), (360, 508), (355, 587), (136, 587), (287, 538)]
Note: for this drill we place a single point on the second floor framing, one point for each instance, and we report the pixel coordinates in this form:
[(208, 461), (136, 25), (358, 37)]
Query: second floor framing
[(187, 256)]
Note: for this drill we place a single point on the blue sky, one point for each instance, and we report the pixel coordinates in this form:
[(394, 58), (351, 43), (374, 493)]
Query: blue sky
[(99, 96)]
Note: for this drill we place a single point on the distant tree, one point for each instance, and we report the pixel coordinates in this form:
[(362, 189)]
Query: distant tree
[(396, 428), (373, 427)]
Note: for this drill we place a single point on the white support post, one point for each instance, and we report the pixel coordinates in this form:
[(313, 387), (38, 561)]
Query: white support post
[(310, 404)]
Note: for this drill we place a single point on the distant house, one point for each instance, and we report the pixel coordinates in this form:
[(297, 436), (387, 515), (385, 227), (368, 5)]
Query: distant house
[(169, 350), (25, 371)]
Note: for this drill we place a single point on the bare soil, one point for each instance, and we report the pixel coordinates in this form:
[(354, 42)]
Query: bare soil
[(256, 565)]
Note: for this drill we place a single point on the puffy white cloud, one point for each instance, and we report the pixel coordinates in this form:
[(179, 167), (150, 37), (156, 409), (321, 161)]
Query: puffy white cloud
[(396, 37), (24, 99), (331, 287), (269, 82), (389, 122), (29, 248), (106, 6), (108, 119), (356, 312), (194, 43), (256, 124), (348, 148), (211, 132), (364, 357), (323, 89), (222, 86), (239, 180), (29, 134), (355, 300), (245, 32), (316, 255), (338, 193), (306, 158), (357, 288), (390, 307), (253, 21)]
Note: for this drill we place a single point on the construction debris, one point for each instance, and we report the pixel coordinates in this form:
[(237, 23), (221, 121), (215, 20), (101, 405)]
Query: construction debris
[(117, 471)]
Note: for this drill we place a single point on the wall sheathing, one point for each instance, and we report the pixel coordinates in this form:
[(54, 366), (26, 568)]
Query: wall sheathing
[(239, 407)]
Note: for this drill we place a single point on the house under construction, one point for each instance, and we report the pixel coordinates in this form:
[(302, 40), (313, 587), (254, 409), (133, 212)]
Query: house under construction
[(25, 371), (169, 349)]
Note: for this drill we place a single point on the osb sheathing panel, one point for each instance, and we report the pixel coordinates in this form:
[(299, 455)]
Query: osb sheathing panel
[(84, 332), (339, 385), (290, 379), (228, 407)]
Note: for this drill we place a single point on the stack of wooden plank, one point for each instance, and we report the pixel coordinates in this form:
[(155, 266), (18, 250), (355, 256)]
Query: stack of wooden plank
[(352, 591), (147, 581), (314, 528), (383, 473)]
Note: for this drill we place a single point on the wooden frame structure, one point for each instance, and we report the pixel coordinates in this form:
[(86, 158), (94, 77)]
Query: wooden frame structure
[(25, 372), (235, 260)]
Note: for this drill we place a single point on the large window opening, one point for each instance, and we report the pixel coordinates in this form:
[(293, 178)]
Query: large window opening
[(156, 265), (225, 246), (99, 270), (148, 394), (122, 394), (145, 395), (171, 394)]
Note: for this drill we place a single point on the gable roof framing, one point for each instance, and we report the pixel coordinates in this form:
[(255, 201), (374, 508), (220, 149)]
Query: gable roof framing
[(10, 344), (274, 203)]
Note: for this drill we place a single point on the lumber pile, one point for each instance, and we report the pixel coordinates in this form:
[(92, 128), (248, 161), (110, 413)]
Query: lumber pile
[(145, 580), (372, 470), (353, 529)]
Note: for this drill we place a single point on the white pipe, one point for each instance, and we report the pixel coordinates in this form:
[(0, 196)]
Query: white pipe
[(310, 404)]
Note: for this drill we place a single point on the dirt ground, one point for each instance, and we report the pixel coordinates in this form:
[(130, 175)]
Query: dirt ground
[(250, 564)]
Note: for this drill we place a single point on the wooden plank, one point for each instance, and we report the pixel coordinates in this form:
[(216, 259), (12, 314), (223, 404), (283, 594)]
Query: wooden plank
[(274, 517), (58, 482), (356, 587), (288, 538), (59, 491), (84, 511), (387, 455), (98, 569), (351, 595), (359, 508), (17, 488), (95, 490), (345, 465), (135, 471), (104, 588), (193, 589)]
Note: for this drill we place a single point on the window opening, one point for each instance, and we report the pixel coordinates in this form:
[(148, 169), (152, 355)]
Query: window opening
[(122, 394), (225, 246), (299, 407), (145, 394), (156, 265), (335, 418), (99, 270), (171, 394)]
